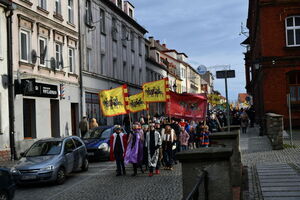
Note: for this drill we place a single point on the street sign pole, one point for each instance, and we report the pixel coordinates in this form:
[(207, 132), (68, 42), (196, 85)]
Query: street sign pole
[(227, 105)]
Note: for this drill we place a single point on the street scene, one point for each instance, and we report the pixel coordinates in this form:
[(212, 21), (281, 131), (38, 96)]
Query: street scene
[(115, 99)]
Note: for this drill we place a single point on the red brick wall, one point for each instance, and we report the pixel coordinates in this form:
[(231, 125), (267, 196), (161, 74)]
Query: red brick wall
[(4, 155)]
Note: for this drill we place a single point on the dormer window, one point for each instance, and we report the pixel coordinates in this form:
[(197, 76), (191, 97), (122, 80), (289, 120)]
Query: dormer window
[(292, 25), (120, 4), (130, 12)]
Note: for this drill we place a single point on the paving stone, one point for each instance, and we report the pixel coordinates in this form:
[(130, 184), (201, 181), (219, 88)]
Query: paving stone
[(278, 184), (281, 198), (280, 189), (282, 194)]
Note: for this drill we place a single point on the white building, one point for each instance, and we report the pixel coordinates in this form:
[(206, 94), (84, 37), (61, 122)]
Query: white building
[(113, 53), (4, 111), (46, 61)]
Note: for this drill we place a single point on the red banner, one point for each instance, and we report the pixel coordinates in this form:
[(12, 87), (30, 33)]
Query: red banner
[(187, 106)]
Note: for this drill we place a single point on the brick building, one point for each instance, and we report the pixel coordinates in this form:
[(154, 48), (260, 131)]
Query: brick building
[(272, 60)]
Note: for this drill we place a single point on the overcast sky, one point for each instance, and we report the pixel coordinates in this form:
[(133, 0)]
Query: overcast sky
[(207, 31)]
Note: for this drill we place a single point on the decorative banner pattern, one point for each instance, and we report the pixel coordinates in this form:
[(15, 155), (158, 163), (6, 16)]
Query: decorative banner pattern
[(114, 102), (156, 91), (136, 103), (187, 106)]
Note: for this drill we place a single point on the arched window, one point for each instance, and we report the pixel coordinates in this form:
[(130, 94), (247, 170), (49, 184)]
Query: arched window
[(293, 78), (292, 25)]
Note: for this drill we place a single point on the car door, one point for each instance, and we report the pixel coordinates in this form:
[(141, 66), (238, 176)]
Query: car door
[(80, 152), (69, 154)]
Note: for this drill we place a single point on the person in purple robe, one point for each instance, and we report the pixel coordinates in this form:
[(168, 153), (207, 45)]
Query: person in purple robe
[(134, 152)]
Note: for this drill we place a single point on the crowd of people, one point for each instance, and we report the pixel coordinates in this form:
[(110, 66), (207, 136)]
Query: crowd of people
[(152, 143)]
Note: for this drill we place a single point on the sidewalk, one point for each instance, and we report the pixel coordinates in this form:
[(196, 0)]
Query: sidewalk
[(272, 174)]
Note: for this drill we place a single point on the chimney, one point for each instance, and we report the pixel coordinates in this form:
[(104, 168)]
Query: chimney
[(164, 45), (158, 41)]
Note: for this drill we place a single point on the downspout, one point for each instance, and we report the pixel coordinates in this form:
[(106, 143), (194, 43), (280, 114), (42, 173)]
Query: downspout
[(80, 60), (11, 96)]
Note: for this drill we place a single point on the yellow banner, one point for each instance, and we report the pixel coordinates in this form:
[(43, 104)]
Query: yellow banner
[(136, 103), (113, 102), (156, 91)]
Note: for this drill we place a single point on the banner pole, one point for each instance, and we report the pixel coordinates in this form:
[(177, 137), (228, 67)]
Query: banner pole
[(130, 122), (148, 115)]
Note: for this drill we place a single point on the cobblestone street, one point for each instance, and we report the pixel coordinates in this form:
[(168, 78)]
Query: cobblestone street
[(100, 182), (257, 153)]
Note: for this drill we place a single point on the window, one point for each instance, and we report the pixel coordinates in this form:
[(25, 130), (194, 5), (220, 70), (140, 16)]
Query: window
[(93, 108), (102, 22), (293, 31), (140, 45), (114, 68), (24, 46), (77, 142), (43, 4), (58, 7), (132, 40), (130, 12), (88, 13), (120, 4), (125, 73), (71, 59), (70, 12), (102, 62), (157, 57), (69, 145), (58, 55), (88, 59), (114, 29), (124, 35), (294, 86), (43, 50), (133, 76), (146, 51)]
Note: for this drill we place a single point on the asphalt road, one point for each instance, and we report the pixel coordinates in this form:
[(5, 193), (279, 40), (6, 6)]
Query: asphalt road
[(100, 182)]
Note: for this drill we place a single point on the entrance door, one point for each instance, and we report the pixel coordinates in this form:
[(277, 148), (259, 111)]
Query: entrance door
[(74, 118), (54, 104), (29, 120)]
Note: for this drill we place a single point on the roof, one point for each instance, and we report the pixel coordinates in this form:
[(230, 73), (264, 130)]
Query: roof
[(122, 14), (246, 41), (173, 50)]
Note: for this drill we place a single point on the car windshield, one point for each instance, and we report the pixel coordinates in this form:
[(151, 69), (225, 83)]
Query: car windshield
[(44, 148), (106, 134), (93, 134)]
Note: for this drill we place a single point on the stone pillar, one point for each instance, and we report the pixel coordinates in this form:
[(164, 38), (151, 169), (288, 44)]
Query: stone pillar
[(232, 140), (216, 161), (274, 130)]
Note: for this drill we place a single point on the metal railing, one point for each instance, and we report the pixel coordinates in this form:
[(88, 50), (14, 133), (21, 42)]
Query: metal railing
[(195, 193)]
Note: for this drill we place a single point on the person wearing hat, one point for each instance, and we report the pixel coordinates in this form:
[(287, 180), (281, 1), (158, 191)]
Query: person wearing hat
[(153, 142), (134, 152), (168, 138), (118, 145)]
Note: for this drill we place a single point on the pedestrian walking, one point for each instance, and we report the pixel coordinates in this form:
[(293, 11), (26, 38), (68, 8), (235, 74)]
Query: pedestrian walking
[(244, 121), (153, 143), (118, 145), (83, 126), (93, 123), (205, 136), (168, 138), (134, 152), (184, 139)]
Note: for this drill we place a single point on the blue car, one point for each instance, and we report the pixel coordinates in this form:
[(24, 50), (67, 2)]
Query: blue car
[(97, 142), (7, 185), (50, 160)]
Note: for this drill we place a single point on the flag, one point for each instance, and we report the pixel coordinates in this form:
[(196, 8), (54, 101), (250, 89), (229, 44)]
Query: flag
[(136, 103), (187, 106), (114, 102), (156, 91)]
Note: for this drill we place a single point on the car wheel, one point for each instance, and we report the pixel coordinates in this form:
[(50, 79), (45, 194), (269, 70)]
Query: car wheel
[(3, 195), (61, 176), (85, 165)]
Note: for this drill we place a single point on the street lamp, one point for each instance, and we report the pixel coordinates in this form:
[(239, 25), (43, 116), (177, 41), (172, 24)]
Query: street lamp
[(174, 87)]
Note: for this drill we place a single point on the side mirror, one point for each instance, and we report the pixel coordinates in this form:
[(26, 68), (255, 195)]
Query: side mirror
[(22, 154)]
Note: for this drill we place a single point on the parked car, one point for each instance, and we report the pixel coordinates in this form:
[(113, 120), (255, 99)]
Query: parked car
[(97, 142), (7, 185), (51, 160)]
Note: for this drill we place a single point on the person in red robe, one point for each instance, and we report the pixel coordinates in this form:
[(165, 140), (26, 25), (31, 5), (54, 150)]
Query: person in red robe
[(118, 145)]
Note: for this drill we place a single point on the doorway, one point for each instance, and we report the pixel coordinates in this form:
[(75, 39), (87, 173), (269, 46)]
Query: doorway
[(74, 118), (55, 129), (29, 118)]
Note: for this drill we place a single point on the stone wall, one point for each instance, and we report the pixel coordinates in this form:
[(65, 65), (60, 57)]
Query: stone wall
[(273, 129)]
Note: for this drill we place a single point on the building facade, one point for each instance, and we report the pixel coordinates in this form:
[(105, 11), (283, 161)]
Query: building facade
[(46, 69), (4, 109), (272, 60), (112, 53)]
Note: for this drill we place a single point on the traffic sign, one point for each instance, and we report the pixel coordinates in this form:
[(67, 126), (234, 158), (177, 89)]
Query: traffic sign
[(225, 74), (201, 69)]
